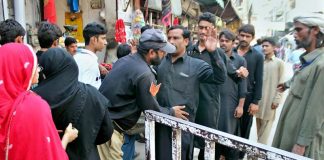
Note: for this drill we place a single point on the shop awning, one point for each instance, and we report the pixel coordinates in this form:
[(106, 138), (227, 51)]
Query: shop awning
[(221, 8), (211, 2)]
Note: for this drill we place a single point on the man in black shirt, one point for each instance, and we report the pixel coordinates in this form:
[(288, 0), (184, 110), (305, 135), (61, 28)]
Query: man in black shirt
[(128, 87), (209, 94), (254, 61), (48, 35), (180, 76), (232, 94)]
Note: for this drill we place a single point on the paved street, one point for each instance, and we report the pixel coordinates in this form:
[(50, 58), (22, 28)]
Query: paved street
[(140, 147)]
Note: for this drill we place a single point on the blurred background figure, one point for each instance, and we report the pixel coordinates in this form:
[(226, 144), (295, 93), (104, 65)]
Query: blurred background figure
[(71, 45)]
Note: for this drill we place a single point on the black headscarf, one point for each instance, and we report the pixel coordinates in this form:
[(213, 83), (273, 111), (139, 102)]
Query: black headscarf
[(74, 102)]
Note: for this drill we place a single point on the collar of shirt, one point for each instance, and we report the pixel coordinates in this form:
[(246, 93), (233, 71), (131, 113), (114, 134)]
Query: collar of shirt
[(233, 56), (307, 59), (310, 57), (248, 52), (270, 59), (196, 48), (85, 51), (142, 58), (180, 59)]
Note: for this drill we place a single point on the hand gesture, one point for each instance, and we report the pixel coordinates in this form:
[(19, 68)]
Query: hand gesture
[(133, 44), (211, 39), (179, 113), (298, 149), (274, 105), (238, 112), (103, 70), (281, 88), (242, 72), (253, 109), (70, 133)]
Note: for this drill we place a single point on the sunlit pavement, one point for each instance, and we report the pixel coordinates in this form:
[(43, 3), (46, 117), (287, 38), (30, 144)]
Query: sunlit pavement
[(140, 147)]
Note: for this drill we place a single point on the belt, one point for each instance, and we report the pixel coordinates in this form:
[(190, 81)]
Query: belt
[(118, 128)]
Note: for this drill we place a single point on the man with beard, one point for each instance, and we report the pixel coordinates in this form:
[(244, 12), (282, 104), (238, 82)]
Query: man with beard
[(301, 124), (254, 61), (129, 87), (180, 76)]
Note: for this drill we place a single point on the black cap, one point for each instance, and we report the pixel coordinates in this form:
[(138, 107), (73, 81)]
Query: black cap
[(155, 39)]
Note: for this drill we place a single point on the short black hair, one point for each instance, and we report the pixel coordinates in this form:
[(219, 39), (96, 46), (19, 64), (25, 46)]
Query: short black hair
[(123, 50), (47, 34), (247, 28), (228, 35), (145, 28), (185, 32), (270, 40), (207, 16), (93, 29), (10, 30), (259, 41), (69, 40)]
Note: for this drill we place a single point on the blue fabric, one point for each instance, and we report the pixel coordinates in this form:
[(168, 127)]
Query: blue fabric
[(128, 147), (74, 5)]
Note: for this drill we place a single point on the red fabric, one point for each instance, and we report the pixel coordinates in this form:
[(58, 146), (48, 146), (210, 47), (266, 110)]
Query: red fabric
[(176, 21), (27, 129), (50, 11), (166, 12), (120, 34)]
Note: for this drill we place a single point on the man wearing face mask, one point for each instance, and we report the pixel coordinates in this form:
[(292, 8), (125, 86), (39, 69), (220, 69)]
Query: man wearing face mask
[(180, 76), (129, 87)]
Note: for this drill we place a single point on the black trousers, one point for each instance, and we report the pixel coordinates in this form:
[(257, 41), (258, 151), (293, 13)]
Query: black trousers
[(246, 120)]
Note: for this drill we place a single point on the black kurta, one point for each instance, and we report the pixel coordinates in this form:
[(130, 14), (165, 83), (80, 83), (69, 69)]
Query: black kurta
[(180, 85), (254, 61), (231, 92), (209, 94)]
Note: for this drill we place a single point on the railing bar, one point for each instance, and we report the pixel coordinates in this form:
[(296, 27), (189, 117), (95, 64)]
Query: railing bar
[(176, 144), (252, 148), (149, 139), (209, 150)]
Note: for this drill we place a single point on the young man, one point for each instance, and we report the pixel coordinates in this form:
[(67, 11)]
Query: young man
[(94, 35), (180, 76), (301, 125), (273, 75), (71, 45), (254, 61), (208, 108), (232, 94), (48, 35), (128, 86), (11, 31)]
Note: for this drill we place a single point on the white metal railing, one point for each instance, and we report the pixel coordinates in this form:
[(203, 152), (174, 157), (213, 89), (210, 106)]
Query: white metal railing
[(211, 136)]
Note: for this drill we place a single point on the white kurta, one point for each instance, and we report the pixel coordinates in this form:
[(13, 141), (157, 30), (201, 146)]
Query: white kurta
[(273, 74)]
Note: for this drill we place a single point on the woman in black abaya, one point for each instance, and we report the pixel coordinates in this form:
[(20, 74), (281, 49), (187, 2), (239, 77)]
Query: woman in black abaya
[(74, 102)]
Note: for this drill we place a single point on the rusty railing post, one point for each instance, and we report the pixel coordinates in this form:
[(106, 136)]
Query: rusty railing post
[(209, 150), (150, 138), (176, 144)]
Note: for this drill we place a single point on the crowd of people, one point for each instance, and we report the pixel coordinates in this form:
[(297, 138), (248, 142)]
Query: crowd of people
[(62, 104)]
